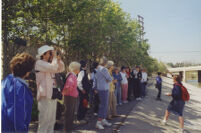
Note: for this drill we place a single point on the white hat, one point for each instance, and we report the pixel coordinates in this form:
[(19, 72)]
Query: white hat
[(42, 50)]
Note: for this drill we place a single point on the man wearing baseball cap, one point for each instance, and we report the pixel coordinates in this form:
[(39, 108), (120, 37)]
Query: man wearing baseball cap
[(46, 66)]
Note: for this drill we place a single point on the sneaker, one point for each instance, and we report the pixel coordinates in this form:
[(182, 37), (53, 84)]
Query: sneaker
[(82, 122), (138, 99), (181, 130), (95, 114), (163, 122), (125, 101), (120, 104), (76, 122), (106, 123), (99, 125)]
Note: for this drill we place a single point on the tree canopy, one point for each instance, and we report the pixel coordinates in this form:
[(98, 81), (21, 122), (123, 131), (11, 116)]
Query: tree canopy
[(82, 29)]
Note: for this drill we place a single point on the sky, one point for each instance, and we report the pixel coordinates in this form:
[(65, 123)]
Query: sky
[(173, 27)]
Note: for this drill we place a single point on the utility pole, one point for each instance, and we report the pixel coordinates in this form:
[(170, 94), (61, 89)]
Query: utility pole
[(141, 23)]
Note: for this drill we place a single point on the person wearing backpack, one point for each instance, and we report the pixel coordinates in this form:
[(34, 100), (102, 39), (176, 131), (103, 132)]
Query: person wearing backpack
[(176, 106)]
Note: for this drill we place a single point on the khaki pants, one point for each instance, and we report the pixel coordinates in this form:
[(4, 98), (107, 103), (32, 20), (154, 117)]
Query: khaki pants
[(47, 115), (112, 104)]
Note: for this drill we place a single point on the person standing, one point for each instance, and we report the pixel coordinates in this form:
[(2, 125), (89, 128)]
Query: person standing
[(17, 99), (94, 89), (159, 86), (103, 80), (130, 83), (143, 83), (176, 106), (118, 77), (46, 66), (134, 77), (112, 112), (124, 84), (70, 93), (83, 88), (138, 91)]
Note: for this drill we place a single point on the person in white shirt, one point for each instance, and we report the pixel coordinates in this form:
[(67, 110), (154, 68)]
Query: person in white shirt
[(143, 83), (124, 84), (84, 86), (47, 64)]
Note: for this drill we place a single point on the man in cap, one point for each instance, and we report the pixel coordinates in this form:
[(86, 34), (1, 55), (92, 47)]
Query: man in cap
[(46, 66)]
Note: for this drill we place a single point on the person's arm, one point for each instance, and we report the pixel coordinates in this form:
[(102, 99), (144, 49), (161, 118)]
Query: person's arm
[(120, 78), (44, 66), (18, 114), (158, 81), (79, 80), (61, 67), (106, 74)]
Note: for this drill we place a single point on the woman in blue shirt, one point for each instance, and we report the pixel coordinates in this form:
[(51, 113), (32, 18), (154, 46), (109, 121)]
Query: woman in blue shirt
[(17, 99)]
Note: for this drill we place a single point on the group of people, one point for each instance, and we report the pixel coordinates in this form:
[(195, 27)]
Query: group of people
[(103, 88)]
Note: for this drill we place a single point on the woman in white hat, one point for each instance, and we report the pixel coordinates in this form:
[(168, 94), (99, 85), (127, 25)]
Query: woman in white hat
[(46, 66)]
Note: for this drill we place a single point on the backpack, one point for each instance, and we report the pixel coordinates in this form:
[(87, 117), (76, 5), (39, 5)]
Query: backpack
[(185, 94)]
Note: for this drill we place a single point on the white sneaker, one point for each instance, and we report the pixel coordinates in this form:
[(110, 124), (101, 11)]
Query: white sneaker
[(106, 123), (120, 104), (163, 122), (95, 114), (125, 101), (138, 99), (99, 125)]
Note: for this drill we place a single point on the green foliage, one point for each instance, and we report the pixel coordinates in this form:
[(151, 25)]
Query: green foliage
[(83, 29)]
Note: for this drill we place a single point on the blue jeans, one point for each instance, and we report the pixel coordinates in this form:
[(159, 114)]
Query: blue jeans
[(118, 93), (103, 105)]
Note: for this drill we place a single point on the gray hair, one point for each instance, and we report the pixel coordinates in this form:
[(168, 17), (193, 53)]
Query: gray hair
[(109, 64), (74, 66), (103, 61)]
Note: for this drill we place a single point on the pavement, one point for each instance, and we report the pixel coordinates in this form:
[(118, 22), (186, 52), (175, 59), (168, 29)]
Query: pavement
[(147, 114), (144, 116), (122, 110)]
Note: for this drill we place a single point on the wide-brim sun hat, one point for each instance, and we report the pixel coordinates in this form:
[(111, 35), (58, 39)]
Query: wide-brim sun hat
[(42, 50)]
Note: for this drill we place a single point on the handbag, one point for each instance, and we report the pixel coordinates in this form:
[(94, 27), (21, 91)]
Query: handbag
[(56, 94)]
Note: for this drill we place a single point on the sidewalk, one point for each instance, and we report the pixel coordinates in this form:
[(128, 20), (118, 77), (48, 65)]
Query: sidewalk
[(146, 116), (122, 110)]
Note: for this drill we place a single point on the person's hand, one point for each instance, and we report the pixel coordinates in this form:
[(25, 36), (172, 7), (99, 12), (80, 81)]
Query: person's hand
[(83, 91), (168, 94), (54, 53), (58, 58), (95, 91), (115, 81)]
